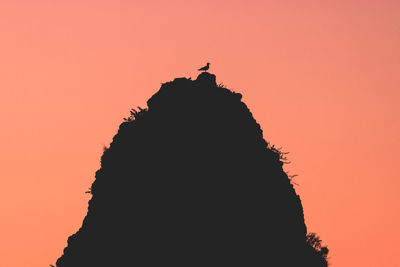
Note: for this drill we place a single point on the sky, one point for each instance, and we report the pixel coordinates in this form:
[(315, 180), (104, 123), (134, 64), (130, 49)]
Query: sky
[(321, 77)]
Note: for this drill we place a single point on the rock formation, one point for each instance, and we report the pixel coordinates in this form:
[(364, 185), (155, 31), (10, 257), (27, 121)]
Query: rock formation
[(190, 181)]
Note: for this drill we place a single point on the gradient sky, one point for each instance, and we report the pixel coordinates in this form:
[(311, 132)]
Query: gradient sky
[(321, 77)]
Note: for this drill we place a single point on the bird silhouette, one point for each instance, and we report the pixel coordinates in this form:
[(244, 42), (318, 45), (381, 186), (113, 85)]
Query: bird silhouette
[(205, 68)]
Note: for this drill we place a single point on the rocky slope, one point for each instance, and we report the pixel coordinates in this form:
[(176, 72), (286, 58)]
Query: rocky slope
[(190, 181)]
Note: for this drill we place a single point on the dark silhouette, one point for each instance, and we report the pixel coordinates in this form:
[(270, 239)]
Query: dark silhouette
[(190, 181), (205, 68)]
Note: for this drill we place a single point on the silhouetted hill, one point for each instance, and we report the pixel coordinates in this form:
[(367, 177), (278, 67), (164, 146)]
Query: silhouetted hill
[(190, 181)]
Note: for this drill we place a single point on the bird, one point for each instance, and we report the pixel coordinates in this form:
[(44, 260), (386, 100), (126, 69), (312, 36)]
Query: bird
[(205, 68)]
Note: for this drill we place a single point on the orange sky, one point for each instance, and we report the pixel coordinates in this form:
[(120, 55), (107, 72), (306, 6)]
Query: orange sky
[(322, 79)]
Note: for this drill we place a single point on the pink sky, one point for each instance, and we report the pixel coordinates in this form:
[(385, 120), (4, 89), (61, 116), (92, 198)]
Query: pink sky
[(322, 79)]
